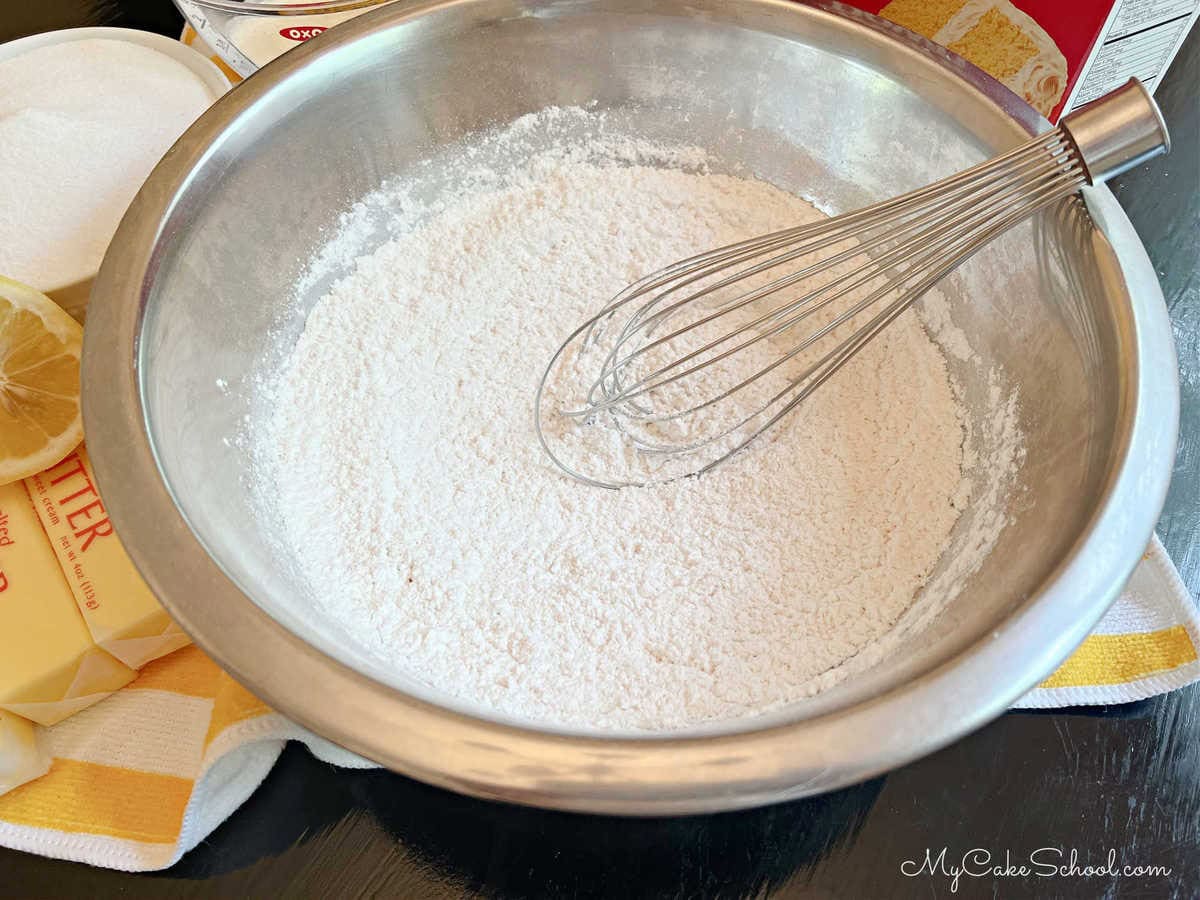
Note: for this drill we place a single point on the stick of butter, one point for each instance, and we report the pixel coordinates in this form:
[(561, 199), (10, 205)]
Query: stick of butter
[(22, 756), (50, 667), (121, 612)]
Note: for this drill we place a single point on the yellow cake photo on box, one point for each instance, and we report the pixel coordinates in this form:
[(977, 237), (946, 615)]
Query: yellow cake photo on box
[(995, 36)]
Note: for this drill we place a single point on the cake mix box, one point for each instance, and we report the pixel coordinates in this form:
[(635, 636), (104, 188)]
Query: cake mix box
[(1057, 54)]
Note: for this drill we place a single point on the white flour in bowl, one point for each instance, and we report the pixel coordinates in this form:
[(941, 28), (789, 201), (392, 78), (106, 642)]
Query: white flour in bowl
[(429, 523)]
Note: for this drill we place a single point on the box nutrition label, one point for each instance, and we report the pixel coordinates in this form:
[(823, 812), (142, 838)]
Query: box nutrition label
[(1139, 39)]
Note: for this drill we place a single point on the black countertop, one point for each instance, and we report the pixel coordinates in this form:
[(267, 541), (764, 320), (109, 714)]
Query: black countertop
[(1122, 780)]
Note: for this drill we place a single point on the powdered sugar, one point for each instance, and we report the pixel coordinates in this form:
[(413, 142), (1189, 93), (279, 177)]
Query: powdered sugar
[(428, 521)]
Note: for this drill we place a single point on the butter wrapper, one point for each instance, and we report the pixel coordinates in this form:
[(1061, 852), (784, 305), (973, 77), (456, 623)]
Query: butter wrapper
[(50, 667), (22, 756), (122, 614)]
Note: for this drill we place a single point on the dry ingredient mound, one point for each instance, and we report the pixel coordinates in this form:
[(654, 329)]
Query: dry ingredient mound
[(430, 525)]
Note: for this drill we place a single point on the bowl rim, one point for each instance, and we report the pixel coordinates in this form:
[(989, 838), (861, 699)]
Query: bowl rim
[(298, 8), (656, 774)]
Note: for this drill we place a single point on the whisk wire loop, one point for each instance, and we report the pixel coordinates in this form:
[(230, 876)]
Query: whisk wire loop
[(940, 220), (703, 356)]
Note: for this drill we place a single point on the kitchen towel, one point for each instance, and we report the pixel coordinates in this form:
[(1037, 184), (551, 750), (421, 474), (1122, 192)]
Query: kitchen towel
[(139, 779), (1146, 644)]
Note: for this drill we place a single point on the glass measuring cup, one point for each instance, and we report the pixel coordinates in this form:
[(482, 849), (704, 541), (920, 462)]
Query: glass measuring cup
[(248, 34)]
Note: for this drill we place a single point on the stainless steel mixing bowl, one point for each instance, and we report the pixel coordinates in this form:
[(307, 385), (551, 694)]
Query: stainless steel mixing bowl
[(198, 280)]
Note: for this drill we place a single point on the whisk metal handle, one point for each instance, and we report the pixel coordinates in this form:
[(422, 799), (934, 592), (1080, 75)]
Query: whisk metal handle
[(1118, 131)]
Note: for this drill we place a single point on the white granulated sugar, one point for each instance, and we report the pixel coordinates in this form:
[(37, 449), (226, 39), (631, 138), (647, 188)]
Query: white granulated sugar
[(82, 123), (430, 524)]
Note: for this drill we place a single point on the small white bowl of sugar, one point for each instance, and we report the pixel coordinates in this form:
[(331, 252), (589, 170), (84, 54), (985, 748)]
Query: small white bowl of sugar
[(85, 114)]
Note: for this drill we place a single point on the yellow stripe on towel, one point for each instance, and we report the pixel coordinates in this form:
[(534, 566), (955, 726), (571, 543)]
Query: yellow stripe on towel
[(187, 671), (232, 705), (95, 799), (1120, 658)]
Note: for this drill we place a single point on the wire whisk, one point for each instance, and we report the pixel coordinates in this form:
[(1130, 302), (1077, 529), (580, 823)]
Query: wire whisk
[(690, 364)]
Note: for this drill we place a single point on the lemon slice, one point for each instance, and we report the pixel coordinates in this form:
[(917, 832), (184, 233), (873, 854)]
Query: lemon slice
[(39, 382)]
